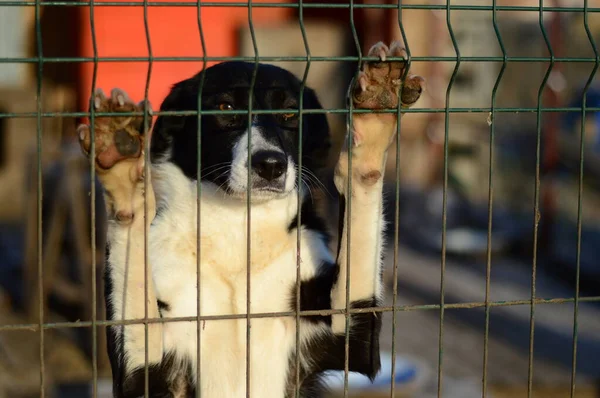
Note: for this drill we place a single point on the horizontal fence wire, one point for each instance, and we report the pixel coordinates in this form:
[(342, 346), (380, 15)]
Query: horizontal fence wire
[(432, 7), (31, 115), (291, 59), (307, 313), (487, 111), (542, 110)]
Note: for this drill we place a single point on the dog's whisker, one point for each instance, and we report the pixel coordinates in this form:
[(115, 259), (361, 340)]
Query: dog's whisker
[(216, 166), (309, 190), (313, 179), (313, 176), (221, 175), (215, 171)]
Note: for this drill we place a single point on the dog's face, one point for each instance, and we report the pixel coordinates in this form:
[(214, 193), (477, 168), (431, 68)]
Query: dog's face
[(271, 161)]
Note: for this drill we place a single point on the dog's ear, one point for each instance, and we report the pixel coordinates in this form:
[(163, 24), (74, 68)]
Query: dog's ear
[(316, 138)]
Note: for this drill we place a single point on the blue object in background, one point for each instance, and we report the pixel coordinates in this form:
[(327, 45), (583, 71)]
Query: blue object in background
[(12, 237), (571, 119)]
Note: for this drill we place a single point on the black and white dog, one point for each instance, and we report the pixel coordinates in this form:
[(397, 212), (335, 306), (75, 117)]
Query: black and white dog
[(172, 221)]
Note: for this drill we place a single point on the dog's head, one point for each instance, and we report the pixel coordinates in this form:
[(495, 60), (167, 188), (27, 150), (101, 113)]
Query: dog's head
[(275, 131)]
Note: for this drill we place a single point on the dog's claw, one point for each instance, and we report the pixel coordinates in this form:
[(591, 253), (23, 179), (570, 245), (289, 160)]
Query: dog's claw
[(99, 98)]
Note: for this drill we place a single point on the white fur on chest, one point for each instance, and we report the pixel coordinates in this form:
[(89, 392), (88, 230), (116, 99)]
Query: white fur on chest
[(223, 265)]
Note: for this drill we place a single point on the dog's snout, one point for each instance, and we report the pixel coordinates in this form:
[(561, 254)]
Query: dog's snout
[(269, 164)]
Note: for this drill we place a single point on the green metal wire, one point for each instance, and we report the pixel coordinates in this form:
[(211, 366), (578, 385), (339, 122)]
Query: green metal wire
[(432, 7), (29, 115), (19, 60), (580, 193), (146, 224), (552, 59), (92, 163), (258, 315), (488, 268), (445, 200), (536, 206), (397, 204), (299, 184), (249, 193), (38, 31), (199, 211), (348, 198)]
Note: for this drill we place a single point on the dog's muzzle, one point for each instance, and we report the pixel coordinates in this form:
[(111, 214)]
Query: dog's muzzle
[(270, 167)]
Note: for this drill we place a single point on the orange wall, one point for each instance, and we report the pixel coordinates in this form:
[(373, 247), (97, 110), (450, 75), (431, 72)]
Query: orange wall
[(174, 32)]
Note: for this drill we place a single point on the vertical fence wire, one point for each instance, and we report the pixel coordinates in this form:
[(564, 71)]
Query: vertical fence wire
[(92, 162), (146, 223), (592, 42), (249, 190), (536, 206), (445, 200), (348, 199), (300, 188), (199, 324), (488, 267), (40, 268), (397, 203)]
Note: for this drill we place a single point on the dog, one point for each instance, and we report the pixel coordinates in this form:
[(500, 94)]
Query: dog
[(197, 249)]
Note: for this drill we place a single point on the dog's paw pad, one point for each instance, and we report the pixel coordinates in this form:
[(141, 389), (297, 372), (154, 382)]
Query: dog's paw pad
[(379, 84)]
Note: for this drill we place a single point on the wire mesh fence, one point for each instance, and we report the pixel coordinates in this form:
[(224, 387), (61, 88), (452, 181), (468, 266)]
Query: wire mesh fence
[(541, 112)]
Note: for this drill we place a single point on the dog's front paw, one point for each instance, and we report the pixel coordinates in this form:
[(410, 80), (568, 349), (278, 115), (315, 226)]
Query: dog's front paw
[(379, 85), (119, 151), (117, 137)]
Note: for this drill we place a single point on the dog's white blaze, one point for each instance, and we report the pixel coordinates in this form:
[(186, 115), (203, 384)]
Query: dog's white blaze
[(223, 262)]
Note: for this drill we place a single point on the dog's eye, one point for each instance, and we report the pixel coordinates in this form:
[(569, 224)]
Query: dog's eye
[(289, 116), (225, 107)]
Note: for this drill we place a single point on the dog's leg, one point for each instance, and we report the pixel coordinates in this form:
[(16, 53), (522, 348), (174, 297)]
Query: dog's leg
[(119, 149), (378, 86)]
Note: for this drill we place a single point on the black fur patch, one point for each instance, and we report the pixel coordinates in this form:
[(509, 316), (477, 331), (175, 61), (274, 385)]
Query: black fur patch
[(315, 293), (161, 382), (341, 219), (114, 346), (328, 352), (310, 219), (162, 306)]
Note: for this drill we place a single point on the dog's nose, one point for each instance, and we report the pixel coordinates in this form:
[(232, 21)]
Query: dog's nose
[(269, 164)]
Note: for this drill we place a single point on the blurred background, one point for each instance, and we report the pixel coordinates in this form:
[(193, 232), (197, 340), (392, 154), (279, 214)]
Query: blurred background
[(68, 260)]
